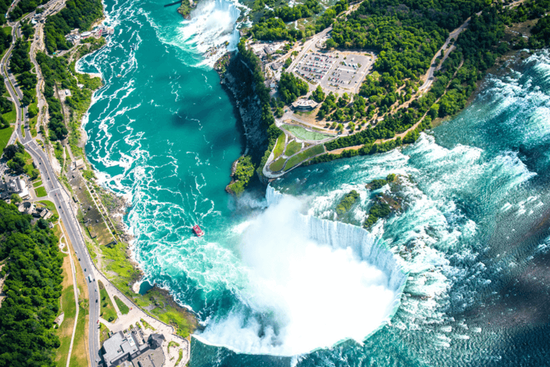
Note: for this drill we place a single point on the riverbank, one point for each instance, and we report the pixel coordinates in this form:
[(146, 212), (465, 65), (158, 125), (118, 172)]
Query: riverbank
[(101, 215)]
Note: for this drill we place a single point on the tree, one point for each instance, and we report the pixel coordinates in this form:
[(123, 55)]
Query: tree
[(15, 198), (11, 150), (318, 95), (291, 87)]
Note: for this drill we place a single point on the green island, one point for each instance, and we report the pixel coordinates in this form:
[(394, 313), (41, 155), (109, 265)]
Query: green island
[(347, 202), (384, 204)]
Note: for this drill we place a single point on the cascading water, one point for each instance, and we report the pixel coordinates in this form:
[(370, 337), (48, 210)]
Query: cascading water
[(212, 29), (473, 238), (302, 271)]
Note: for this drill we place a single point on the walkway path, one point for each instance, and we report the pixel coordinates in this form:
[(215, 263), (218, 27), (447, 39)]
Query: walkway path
[(73, 271)]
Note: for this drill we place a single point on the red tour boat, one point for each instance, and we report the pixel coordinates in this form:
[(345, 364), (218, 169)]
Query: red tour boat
[(198, 231)]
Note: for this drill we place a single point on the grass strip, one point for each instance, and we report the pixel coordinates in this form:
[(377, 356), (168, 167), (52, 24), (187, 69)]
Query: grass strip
[(277, 165), (279, 146), (306, 154), (41, 192), (108, 311), (68, 307), (147, 325), (122, 306), (5, 135), (292, 148)]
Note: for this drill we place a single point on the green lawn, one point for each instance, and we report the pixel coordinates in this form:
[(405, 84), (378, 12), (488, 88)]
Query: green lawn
[(12, 115), (122, 306), (41, 192), (107, 309), (306, 154), (7, 31), (277, 165), (279, 146), (302, 133), (103, 333), (36, 184), (292, 148), (146, 325), (5, 135), (122, 273)]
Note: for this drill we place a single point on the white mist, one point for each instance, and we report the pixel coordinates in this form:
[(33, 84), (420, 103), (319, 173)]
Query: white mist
[(306, 291)]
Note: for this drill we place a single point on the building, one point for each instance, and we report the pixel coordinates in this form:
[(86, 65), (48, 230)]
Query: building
[(26, 207), (122, 347), (79, 164), (304, 105), (15, 186), (43, 213)]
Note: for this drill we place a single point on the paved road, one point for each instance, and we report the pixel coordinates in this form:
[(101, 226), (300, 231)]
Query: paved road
[(434, 64), (56, 192)]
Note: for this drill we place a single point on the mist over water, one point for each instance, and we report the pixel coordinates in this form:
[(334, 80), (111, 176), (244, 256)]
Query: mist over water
[(283, 278), (303, 271)]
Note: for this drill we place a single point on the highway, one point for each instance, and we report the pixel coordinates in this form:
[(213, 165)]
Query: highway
[(58, 194)]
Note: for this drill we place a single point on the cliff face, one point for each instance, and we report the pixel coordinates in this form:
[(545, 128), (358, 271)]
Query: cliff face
[(236, 79)]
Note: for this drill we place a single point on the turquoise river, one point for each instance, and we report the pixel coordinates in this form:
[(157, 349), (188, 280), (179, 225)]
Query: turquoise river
[(458, 278)]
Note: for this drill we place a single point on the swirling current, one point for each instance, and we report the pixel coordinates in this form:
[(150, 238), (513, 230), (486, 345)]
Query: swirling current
[(459, 278)]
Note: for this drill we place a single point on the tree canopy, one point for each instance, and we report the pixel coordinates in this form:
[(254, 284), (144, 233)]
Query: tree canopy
[(32, 286)]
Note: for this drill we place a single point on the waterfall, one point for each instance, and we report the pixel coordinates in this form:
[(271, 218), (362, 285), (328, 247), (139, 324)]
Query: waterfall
[(212, 29), (303, 270)]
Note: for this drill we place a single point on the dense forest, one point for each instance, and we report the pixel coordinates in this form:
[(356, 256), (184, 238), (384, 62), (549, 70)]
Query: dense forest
[(5, 41), (5, 105), (291, 87), (54, 70), (32, 268), (477, 49), (271, 25), (405, 35), (21, 66), (25, 6), (76, 14)]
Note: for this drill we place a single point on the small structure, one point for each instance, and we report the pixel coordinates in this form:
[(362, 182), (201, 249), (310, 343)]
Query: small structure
[(121, 347), (26, 207), (304, 105), (85, 34), (79, 164), (276, 66), (43, 213), (156, 340)]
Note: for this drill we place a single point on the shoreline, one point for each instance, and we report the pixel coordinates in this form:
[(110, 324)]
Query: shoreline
[(116, 214)]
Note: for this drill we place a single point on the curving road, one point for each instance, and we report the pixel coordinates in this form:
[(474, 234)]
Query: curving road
[(56, 191)]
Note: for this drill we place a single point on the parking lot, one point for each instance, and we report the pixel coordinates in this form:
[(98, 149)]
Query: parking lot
[(337, 71)]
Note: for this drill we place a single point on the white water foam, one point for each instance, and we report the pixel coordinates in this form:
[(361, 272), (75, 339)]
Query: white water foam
[(312, 283), (212, 29)]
